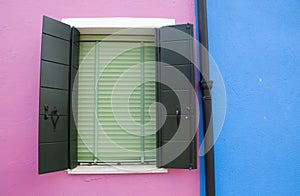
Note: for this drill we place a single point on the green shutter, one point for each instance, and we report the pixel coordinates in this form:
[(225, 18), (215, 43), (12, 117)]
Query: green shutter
[(105, 136), (176, 136), (54, 96), (73, 134)]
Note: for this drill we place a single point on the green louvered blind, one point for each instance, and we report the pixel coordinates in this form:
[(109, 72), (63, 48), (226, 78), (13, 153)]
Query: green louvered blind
[(116, 100)]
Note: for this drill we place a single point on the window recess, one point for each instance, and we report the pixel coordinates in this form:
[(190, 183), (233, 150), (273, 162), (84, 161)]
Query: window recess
[(60, 120)]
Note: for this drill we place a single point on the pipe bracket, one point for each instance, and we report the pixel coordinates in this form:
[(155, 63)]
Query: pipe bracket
[(206, 84)]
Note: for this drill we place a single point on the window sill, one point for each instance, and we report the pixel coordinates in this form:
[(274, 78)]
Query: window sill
[(117, 169)]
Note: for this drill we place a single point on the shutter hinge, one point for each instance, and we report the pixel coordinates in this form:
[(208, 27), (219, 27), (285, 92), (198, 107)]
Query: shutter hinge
[(188, 26)]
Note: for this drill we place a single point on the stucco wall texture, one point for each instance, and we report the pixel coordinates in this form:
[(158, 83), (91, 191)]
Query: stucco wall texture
[(256, 45), (20, 30)]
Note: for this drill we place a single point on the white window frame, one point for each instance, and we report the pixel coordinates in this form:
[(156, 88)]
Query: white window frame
[(109, 26)]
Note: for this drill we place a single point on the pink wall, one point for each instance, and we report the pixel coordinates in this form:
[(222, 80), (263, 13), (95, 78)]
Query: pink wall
[(21, 24)]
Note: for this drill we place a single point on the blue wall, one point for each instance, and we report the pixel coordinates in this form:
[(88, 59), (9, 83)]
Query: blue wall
[(256, 45)]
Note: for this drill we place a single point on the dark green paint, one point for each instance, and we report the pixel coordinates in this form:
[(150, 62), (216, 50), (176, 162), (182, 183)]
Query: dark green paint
[(49, 134), (73, 99), (176, 142), (54, 75), (56, 28), (183, 160), (54, 93), (54, 98), (55, 49), (53, 157)]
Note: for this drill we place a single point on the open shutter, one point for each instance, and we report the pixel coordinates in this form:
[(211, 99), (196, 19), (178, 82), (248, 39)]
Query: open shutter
[(73, 133), (176, 124), (54, 96)]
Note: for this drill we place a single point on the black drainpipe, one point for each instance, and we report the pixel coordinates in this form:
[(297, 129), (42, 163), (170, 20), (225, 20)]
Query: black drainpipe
[(206, 85)]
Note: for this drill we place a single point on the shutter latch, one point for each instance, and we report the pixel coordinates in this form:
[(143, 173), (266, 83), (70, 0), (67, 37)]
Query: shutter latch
[(54, 113)]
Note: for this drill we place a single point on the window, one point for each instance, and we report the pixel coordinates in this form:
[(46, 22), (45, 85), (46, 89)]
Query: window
[(68, 54), (116, 99)]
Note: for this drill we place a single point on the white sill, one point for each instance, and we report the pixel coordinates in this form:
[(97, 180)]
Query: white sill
[(117, 169)]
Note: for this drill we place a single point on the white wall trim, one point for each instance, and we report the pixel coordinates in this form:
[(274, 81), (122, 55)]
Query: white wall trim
[(118, 22), (117, 169)]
